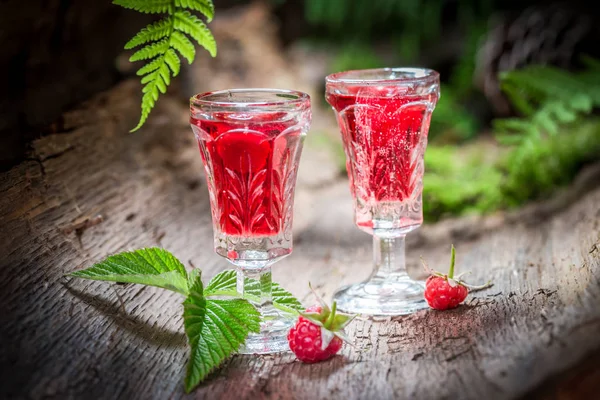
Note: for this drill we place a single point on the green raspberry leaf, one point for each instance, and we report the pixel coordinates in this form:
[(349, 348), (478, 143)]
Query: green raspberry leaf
[(215, 329), (224, 284), (153, 267)]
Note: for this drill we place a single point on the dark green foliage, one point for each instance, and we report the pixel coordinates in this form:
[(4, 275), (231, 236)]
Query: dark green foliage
[(363, 19), (460, 181), (544, 150), (536, 168), (552, 139), (548, 98), (161, 42), (451, 121), (356, 56)]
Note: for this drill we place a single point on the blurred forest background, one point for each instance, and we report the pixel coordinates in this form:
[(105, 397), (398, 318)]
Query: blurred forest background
[(520, 85), (521, 81), (517, 119)]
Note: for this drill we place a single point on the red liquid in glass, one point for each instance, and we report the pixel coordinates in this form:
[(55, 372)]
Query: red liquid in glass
[(384, 138), (249, 165)]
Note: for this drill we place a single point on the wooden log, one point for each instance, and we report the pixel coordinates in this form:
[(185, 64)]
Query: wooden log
[(96, 190)]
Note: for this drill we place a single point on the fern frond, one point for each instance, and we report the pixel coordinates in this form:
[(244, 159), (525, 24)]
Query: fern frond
[(151, 66), (206, 7), (193, 26), (160, 41), (182, 44), (145, 6), (151, 50), (173, 61), (158, 30), (548, 98)]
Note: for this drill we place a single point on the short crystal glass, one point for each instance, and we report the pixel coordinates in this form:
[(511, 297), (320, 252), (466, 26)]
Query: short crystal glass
[(384, 116), (250, 141)]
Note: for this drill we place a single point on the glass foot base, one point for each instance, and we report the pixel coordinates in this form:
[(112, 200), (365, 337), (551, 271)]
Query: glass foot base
[(272, 337), (387, 297)]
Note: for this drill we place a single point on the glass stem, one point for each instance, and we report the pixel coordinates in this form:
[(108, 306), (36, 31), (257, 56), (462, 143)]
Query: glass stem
[(263, 277), (389, 257)]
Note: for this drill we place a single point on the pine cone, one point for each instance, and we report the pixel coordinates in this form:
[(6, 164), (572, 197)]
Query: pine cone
[(556, 34)]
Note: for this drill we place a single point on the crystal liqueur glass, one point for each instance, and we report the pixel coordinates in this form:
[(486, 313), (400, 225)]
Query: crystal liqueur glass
[(384, 116), (250, 141)]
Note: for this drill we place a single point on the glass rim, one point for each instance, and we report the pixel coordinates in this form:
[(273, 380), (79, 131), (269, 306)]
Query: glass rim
[(288, 98), (425, 75)]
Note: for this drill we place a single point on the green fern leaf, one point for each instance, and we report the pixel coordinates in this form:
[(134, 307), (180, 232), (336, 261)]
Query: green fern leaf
[(157, 30), (151, 51), (584, 102), (164, 73), (148, 100), (151, 66), (206, 7), (162, 40), (521, 103), (149, 77), (183, 45), (548, 98), (193, 26), (146, 6), (173, 61)]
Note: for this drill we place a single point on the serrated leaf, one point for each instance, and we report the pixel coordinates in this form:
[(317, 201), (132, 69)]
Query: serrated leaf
[(222, 282), (145, 6), (150, 51), (193, 26), (194, 275), (206, 7), (183, 45), (155, 31), (148, 78), (165, 74), (160, 84), (148, 100), (284, 298), (160, 40), (215, 329), (225, 284), (172, 61), (152, 266), (150, 67)]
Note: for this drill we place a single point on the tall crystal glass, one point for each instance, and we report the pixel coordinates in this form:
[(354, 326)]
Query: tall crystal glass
[(384, 116), (250, 141)]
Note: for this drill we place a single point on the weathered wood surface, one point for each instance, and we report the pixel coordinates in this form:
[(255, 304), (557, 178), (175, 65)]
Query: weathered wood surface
[(97, 190)]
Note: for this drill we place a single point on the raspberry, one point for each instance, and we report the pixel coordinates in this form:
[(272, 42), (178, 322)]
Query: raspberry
[(305, 341), (441, 296), (319, 332), (443, 292)]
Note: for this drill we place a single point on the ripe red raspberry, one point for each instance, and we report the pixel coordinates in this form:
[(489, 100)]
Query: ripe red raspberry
[(441, 296), (443, 292), (318, 333), (305, 341)]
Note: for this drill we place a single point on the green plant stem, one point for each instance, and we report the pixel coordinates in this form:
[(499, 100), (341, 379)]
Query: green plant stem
[(331, 317), (452, 259)]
